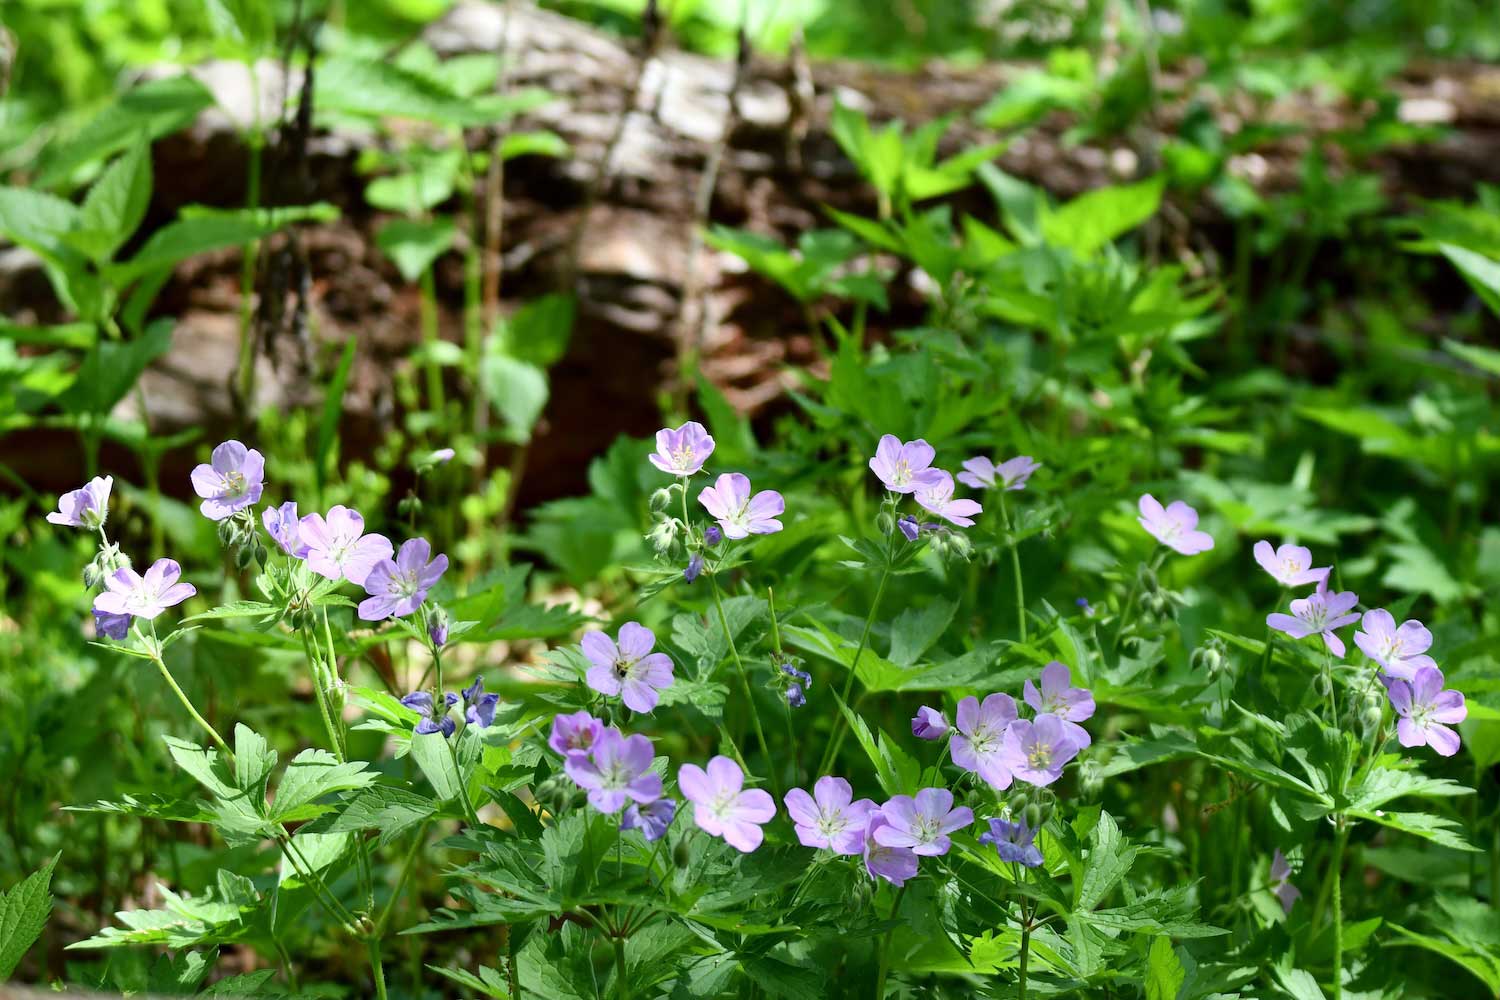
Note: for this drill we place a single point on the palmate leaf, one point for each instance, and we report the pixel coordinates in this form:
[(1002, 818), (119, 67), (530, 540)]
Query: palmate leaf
[(1385, 784), (1433, 828), (1483, 965), (311, 775), (23, 913), (390, 810), (184, 922)]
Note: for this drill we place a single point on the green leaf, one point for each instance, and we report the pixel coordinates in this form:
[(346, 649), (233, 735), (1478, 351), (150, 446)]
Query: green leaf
[(538, 332), (517, 390), (1092, 220), (248, 23), (115, 205), (1482, 964), (534, 144), (1484, 358), (23, 914), (413, 245), (1483, 273), (376, 89), (110, 370), (1433, 828), (436, 759), (390, 810), (311, 774), (333, 408), (1384, 784), (1109, 858), (1164, 973), (916, 629), (199, 231), (151, 110)]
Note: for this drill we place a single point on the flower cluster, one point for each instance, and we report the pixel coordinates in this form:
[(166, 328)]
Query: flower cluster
[(615, 771), (905, 467)]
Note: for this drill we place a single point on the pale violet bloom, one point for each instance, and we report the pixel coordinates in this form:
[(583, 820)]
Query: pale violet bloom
[(1058, 697), (1426, 712), (739, 514), (1281, 874), (722, 806), (575, 734), (904, 468), (1401, 651), (683, 451), (938, 498), (982, 474), (1175, 526), (110, 626), (929, 724), (85, 508), (129, 593), (652, 819), (1289, 565), (829, 818), (338, 548), (284, 527), (230, 481), (617, 772), (435, 717), (979, 731), (1036, 752), (894, 864), (397, 587), (1015, 842), (628, 669), (1319, 614), (924, 822)]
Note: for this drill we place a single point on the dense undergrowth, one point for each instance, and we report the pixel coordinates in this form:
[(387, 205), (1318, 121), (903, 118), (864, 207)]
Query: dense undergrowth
[(1119, 629)]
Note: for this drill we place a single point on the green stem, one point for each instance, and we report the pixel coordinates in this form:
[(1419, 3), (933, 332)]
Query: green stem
[(377, 967), (739, 665), (622, 982), (1338, 909), (885, 947), (406, 869), (212, 732), (1025, 954), (841, 724), (1015, 567)]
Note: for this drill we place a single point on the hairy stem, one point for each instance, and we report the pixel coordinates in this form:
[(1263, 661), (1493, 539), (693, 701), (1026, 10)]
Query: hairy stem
[(1338, 908), (840, 725), (885, 947), (1015, 568)]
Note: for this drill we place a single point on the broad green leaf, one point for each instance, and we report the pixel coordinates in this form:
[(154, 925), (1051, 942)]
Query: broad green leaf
[(1164, 973), (916, 629), (115, 204), (538, 332), (110, 370), (435, 756), (1483, 965), (518, 392), (388, 809), (311, 775), (1486, 359), (413, 245), (153, 109), (1433, 828), (1109, 858), (1482, 273), (23, 913), (1097, 218)]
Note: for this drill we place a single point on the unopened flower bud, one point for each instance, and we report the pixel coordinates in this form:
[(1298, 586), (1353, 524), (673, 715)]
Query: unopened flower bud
[(929, 724), (1322, 685), (909, 527), (437, 627), (244, 556), (958, 547), (228, 532), (1370, 718), (1090, 779), (92, 576), (1036, 815), (661, 500), (712, 535), (682, 854), (1017, 803), (663, 536), (795, 696), (884, 524), (694, 568)]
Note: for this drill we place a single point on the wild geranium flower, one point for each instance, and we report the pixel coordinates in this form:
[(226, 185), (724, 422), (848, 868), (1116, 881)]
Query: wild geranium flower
[(85, 508), (1014, 842), (435, 717), (894, 864), (694, 568), (982, 474), (722, 807), (829, 818), (1175, 527), (441, 455), (683, 451), (575, 734), (1281, 873), (1036, 752), (1400, 651), (739, 514), (1426, 711), (479, 708), (617, 772), (938, 498), (231, 480), (1289, 565), (285, 528), (909, 526), (339, 549), (130, 593), (904, 468), (795, 696), (924, 822), (712, 535), (929, 724), (1058, 697), (437, 628), (652, 819), (1318, 614), (628, 668), (398, 587), (110, 626), (980, 733)]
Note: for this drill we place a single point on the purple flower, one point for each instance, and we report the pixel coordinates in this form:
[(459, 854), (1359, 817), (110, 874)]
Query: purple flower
[(909, 527), (1058, 697), (904, 468), (739, 514), (1426, 710), (284, 527), (694, 567), (437, 629), (682, 452), (85, 508), (575, 734), (1281, 872), (980, 733), (617, 772), (435, 719), (652, 819), (479, 708), (929, 724), (1318, 614), (712, 535), (982, 474), (110, 626), (441, 456), (1290, 565), (339, 549), (1084, 605), (1036, 751), (721, 807), (830, 818), (628, 669), (1401, 651), (398, 587), (1175, 527), (922, 823), (938, 498), (795, 696), (1014, 842), (231, 481), (894, 864), (129, 593)]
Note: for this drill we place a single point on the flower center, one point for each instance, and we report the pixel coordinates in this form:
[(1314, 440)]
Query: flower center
[(622, 667), (926, 828), (234, 483), (1039, 757), (724, 804), (832, 824), (407, 584), (682, 455), (1316, 614), (1290, 566)]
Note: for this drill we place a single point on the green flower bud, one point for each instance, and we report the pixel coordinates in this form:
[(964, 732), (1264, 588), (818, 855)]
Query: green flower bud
[(1035, 816), (1370, 718), (682, 854), (885, 523), (661, 500)]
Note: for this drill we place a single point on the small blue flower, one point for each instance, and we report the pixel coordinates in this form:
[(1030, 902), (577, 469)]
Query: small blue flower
[(433, 721), (479, 709), (1014, 842), (694, 568), (651, 819), (110, 626), (712, 535)]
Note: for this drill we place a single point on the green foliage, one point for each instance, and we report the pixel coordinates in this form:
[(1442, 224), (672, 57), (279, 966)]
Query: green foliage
[(23, 914)]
